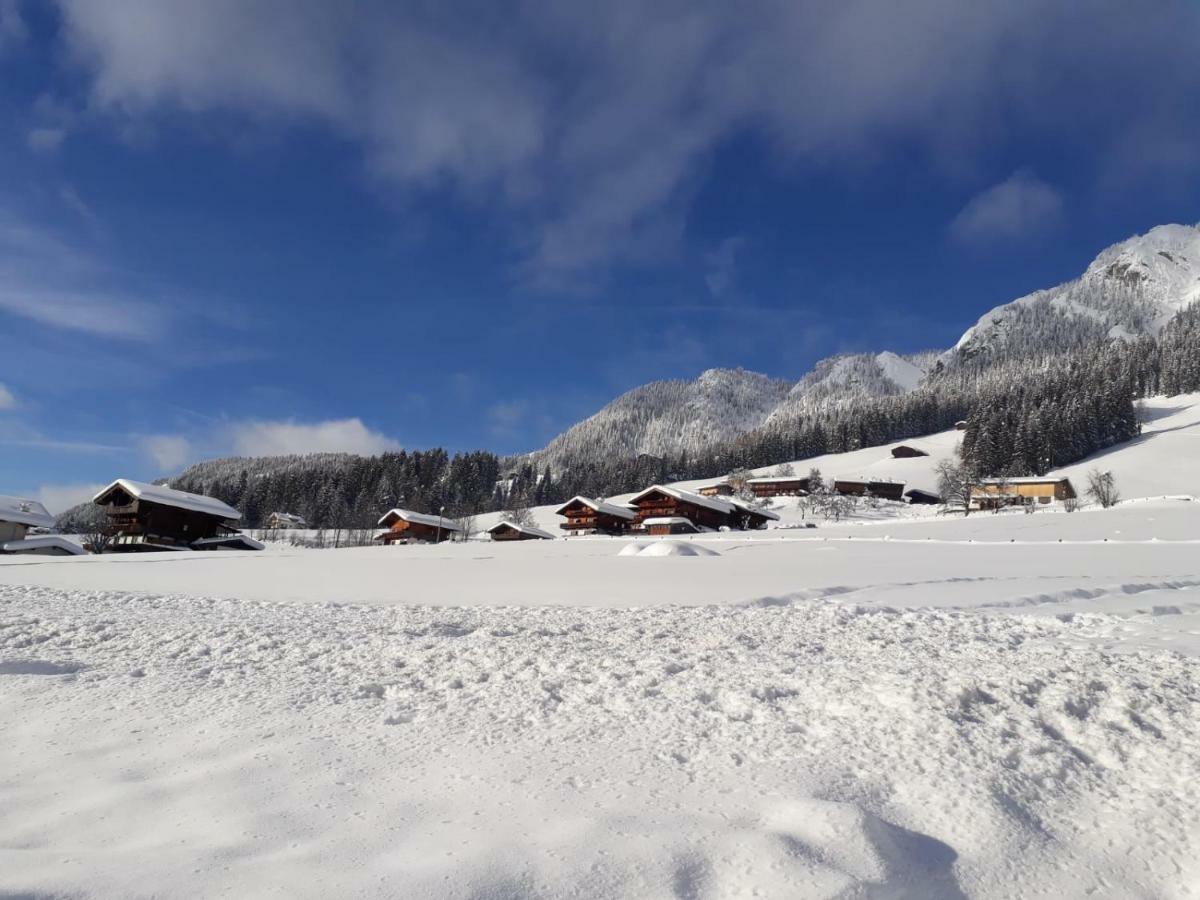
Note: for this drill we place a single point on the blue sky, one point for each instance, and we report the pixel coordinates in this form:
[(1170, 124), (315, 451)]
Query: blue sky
[(257, 226)]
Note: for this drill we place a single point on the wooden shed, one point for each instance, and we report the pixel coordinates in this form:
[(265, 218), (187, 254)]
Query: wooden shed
[(405, 526), (511, 531), (587, 516), (917, 497), (907, 451), (144, 517), (720, 489)]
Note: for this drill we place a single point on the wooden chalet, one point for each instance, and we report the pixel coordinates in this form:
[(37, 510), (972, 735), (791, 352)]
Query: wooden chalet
[(18, 515), (991, 493), (511, 531), (281, 521), (720, 489), (907, 451), (862, 487), (917, 497), (587, 516), (778, 486), (705, 513), (144, 517), (405, 526)]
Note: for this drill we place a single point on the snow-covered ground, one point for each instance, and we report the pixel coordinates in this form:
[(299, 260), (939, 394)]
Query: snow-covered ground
[(907, 707)]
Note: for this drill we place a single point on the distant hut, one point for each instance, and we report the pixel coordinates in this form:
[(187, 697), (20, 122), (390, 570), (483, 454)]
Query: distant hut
[(885, 489), (917, 497), (960, 425), (991, 493), (720, 489), (405, 526), (587, 516), (778, 486), (146, 517), (907, 451), (511, 531)]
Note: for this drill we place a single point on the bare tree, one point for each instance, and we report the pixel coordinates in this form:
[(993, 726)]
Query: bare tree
[(1102, 487), (466, 524), (739, 481), (784, 470), (97, 534), (955, 485), (518, 515)]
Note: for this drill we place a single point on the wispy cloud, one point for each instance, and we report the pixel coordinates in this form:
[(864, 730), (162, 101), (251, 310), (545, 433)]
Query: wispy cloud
[(266, 438), (7, 399), (1020, 206), (594, 123), (13, 29), (168, 452), (58, 498)]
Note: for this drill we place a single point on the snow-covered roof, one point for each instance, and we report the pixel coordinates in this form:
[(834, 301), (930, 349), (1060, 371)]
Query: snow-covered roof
[(776, 479), (620, 512), (715, 503), (419, 519), (228, 540), (524, 529), (751, 508), (863, 479), (669, 520), (44, 542), (24, 512), (1047, 479), (289, 517), (165, 496)]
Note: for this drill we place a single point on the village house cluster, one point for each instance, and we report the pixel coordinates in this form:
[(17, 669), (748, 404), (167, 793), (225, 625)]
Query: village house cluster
[(138, 517)]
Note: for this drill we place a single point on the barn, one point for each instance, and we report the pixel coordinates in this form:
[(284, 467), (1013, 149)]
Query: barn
[(405, 526), (152, 517), (511, 531), (907, 451), (587, 516), (885, 489), (917, 497), (778, 486)]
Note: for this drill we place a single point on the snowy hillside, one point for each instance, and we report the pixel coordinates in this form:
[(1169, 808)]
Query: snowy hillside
[(669, 417), (852, 376), (1132, 288)]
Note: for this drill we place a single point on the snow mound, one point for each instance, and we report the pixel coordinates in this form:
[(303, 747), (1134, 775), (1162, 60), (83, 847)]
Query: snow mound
[(667, 548)]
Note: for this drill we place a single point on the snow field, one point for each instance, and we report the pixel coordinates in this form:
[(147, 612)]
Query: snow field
[(201, 746)]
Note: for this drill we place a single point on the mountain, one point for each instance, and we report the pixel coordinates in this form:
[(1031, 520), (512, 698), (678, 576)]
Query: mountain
[(854, 376), (1133, 288), (669, 417)]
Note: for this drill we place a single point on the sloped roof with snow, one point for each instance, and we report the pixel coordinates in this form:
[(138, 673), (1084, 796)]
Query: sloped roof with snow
[(524, 529), (669, 520), (165, 496), (751, 508), (417, 518), (620, 512), (232, 541), (776, 479), (714, 503), (44, 542), (24, 512), (1047, 479)]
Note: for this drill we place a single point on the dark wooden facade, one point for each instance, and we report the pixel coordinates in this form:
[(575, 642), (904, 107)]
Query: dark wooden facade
[(658, 504), (917, 496), (506, 531), (403, 531), (723, 489), (886, 490), (670, 526), (779, 487), (138, 524), (585, 519)]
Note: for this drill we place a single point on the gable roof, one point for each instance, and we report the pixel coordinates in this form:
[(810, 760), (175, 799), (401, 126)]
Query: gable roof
[(524, 529), (419, 519), (24, 512), (165, 496), (776, 479), (714, 503), (1046, 479), (751, 508), (610, 509)]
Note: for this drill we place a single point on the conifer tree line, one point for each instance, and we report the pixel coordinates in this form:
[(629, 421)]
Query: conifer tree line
[(1025, 415)]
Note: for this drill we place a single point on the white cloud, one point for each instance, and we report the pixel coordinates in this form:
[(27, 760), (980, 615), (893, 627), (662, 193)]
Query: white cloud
[(45, 140), (594, 122), (168, 452), (283, 438), (1022, 205), (58, 498), (12, 24), (7, 400)]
